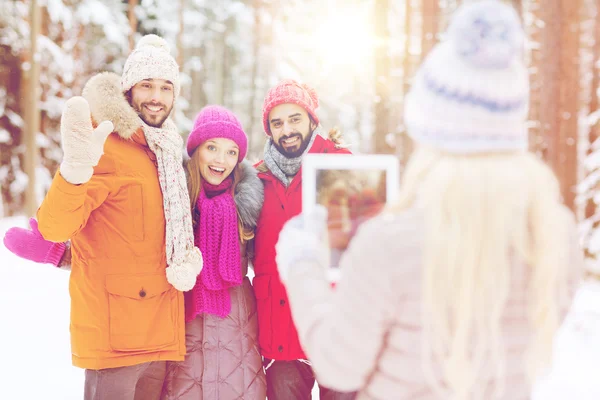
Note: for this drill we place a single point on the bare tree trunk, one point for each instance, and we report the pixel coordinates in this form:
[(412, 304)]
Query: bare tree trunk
[(567, 161), (408, 26), (12, 82), (595, 84), (132, 22), (219, 69), (430, 13), (594, 132), (405, 147), (534, 32), (446, 13), (560, 100), (32, 111), (180, 47), (198, 97), (257, 4), (229, 61), (431, 16), (267, 68), (518, 5), (382, 78)]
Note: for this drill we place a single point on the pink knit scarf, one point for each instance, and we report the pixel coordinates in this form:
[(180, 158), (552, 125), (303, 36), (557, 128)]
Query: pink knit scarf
[(217, 237)]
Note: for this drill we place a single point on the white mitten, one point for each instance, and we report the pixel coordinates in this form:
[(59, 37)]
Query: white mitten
[(82, 144), (303, 238), (183, 276)]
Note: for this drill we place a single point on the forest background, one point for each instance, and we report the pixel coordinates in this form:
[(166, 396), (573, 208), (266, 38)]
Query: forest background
[(360, 56)]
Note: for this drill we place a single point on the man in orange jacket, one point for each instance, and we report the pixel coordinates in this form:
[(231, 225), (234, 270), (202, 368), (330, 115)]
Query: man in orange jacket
[(133, 251)]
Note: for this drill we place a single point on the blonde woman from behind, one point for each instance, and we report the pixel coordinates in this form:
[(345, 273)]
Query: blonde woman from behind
[(456, 292)]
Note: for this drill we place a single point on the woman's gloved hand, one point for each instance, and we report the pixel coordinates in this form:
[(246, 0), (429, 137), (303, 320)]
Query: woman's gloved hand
[(30, 245), (303, 238)]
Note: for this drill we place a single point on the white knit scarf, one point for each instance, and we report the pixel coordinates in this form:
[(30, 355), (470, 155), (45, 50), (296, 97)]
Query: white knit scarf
[(183, 258)]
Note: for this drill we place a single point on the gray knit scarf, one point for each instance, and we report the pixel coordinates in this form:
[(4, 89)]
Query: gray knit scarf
[(285, 168)]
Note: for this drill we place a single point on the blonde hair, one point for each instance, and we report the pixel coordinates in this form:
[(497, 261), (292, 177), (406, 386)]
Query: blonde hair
[(482, 213), (195, 187)]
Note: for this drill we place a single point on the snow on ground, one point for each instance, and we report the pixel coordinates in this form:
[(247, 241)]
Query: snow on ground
[(36, 355), (34, 304)]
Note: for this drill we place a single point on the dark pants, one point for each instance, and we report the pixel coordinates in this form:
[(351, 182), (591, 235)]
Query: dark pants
[(294, 380), (137, 382)]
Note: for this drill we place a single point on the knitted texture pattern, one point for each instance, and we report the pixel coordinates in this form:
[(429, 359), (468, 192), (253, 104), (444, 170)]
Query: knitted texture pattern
[(218, 239), (183, 258), (290, 92), (285, 168), (217, 122), (472, 92), (151, 59), (82, 144), (30, 245)]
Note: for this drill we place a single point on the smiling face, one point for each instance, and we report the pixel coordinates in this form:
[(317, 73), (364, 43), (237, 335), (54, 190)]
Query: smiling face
[(217, 158), (153, 100), (291, 129)]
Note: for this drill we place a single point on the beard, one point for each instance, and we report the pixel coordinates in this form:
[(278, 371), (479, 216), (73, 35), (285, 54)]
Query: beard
[(297, 150), (154, 121)]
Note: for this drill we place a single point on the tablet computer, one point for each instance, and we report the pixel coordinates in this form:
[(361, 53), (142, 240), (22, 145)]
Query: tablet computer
[(353, 188)]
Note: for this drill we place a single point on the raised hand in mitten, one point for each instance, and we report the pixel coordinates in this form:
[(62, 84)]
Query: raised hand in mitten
[(30, 244), (82, 144)]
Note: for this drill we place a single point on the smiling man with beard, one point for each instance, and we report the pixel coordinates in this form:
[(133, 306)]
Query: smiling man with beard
[(153, 100), (290, 121), (291, 129), (133, 250)]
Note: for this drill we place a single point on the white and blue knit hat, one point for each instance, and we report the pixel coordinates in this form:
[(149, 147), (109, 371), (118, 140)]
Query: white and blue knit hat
[(471, 94)]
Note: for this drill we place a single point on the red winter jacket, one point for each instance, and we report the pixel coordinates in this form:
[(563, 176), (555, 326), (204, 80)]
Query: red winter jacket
[(277, 334)]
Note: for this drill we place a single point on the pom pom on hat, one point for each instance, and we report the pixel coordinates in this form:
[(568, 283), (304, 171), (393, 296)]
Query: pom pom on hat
[(217, 122), (487, 36), (151, 59), (471, 94), (153, 41), (312, 93)]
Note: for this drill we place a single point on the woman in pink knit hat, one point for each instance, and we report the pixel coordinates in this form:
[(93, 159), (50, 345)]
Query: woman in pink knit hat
[(223, 359)]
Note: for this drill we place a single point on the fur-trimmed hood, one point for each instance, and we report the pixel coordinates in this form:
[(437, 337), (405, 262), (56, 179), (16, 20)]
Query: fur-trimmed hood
[(108, 103), (249, 195)]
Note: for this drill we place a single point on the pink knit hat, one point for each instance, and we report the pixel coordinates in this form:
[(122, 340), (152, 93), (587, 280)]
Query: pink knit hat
[(290, 91), (217, 122)]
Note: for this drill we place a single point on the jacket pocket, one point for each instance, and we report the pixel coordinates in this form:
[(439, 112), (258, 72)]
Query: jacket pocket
[(140, 312), (262, 291), (136, 211)]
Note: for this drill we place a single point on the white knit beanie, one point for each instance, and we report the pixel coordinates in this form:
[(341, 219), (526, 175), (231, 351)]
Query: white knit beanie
[(151, 59), (472, 92)]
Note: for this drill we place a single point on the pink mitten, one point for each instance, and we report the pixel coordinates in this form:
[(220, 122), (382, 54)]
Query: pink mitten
[(30, 244)]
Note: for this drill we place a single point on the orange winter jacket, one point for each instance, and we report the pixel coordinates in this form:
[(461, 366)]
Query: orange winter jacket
[(123, 310)]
